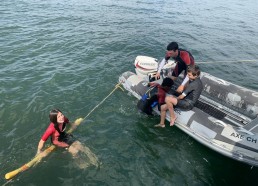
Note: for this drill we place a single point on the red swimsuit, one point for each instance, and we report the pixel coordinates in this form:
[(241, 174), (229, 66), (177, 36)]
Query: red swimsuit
[(51, 131)]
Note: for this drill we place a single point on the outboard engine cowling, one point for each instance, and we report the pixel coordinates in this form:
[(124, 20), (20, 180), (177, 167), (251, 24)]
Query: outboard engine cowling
[(145, 65)]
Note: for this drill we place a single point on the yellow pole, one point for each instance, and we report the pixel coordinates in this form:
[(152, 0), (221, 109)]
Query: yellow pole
[(30, 163)]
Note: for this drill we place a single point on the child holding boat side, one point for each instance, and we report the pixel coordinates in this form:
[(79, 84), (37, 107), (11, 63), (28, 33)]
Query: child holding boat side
[(56, 130), (186, 100), (155, 96)]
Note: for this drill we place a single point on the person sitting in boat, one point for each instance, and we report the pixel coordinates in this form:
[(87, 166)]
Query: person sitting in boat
[(182, 58), (56, 130), (186, 100), (155, 95)]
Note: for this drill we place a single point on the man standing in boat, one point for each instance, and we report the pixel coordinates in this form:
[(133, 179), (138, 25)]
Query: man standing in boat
[(182, 58)]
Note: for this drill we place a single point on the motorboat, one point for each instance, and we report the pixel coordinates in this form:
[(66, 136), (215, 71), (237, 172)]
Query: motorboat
[(224, 118)]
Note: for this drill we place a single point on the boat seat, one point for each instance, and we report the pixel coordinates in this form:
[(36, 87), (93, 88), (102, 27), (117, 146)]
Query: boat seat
[(212, 111), (252, 126), (234, 97)]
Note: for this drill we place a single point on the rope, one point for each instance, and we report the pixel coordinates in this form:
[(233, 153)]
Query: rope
[(116, 87), (237, 61), (78, 121)]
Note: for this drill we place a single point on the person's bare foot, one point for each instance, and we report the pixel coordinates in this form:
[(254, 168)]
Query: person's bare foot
[(172, 121), (160, 125)]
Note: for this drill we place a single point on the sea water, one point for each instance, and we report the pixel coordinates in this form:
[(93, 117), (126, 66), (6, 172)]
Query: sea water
[(69, 55)]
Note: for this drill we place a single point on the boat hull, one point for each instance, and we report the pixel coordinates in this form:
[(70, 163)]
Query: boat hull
[(215, 126)]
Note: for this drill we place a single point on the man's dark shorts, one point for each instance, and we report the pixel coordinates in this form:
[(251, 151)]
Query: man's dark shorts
[(184, 105)]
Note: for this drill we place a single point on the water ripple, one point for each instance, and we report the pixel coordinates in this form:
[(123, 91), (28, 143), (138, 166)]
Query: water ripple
[(69, 55)]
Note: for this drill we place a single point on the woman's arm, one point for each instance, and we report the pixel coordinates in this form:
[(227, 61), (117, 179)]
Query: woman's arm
[(44, 138), (40, 146)]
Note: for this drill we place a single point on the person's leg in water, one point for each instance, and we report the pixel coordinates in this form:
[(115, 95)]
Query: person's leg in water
[(170, 102), (75, 150)]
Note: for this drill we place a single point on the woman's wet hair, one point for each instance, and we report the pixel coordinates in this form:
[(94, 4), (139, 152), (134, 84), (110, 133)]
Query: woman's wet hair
[(194, 69), (53, 115)]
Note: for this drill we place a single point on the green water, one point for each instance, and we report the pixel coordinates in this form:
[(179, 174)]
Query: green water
[(69, 55)]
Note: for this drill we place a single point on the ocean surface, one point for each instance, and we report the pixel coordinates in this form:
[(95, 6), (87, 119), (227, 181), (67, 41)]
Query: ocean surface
[(69, 55)]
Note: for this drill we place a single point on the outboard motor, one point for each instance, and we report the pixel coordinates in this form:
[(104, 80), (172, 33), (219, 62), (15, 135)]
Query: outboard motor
[(146, 67)]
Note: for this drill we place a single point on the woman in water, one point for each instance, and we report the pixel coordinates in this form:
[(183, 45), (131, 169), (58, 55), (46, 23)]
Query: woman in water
[(56, 130)]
